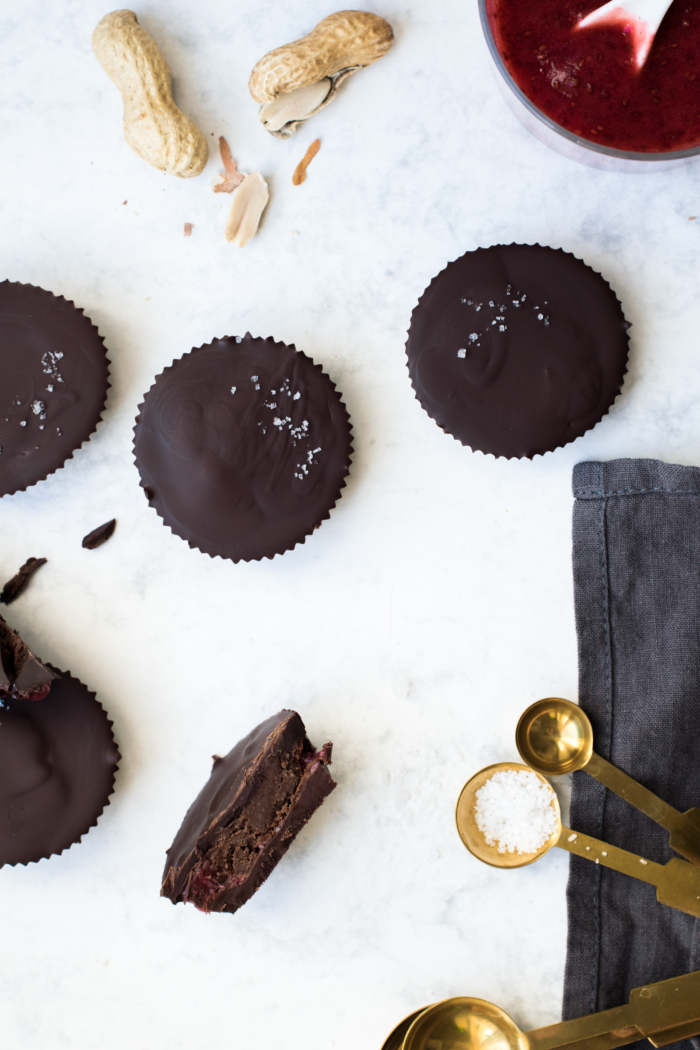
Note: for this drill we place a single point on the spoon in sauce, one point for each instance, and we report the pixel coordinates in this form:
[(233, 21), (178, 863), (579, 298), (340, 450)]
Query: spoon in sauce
[(663, 1013), (638, 18), (555, 737), (677, 882)]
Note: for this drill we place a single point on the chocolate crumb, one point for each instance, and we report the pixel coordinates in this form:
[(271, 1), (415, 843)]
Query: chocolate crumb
[(14, 587), (99, 535)]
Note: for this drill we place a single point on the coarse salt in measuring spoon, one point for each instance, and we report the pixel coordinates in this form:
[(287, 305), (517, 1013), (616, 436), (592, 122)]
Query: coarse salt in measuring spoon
[(514, 811)]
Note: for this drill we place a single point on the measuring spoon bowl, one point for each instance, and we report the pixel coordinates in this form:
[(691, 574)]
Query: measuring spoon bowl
[(394, 1041), (555, 737), (677, 882), (663, 1012), (463, 1023), (473, 838)]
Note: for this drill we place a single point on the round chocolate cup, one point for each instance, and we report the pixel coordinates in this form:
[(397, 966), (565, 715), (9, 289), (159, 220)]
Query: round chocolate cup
[(58, 760), (243, 446), (55, 380), (516, 350)]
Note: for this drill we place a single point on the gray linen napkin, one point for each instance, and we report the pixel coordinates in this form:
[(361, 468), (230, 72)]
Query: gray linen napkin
[(636, 560)]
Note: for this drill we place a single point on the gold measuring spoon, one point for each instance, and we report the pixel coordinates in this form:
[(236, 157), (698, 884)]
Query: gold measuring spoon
[(395, 1040), (555, 737), (663, 1013), (677, 882)]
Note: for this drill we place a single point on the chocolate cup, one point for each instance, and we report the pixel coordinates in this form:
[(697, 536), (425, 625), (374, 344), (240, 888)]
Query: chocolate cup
[(58, 760), (243, 446), (55, 380), (516, 350), (256, 801)]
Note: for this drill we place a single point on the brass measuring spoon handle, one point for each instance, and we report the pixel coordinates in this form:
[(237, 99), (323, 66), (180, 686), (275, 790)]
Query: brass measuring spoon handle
[(677, 882), (663, 1013), (633, 792), (611, 856), (601, 1031), (684, 827)]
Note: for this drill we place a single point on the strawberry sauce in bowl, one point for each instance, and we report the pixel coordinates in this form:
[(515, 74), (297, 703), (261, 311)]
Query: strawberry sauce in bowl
[(583, 85)]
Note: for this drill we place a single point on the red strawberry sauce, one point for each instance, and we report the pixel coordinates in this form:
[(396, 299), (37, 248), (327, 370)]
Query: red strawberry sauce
[(585, 79)]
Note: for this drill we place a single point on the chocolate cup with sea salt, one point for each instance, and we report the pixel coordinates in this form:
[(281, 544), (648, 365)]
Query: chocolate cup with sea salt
[(243, 446), (516, 350), (55, 377)]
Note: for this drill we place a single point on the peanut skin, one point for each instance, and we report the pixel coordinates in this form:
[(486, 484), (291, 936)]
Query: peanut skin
[(153, 125), (344, 40)]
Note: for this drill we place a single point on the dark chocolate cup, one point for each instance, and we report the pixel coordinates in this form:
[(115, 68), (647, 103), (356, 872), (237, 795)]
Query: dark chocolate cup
[(59, 378), (243, 446), (256, 801), (58, 760), (516, 350)]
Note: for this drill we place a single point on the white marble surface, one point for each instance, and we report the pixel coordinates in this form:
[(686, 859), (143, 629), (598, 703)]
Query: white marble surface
[(412, 629)]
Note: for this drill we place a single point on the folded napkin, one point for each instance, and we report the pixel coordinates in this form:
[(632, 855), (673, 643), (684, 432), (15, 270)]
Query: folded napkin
[(636, 560)]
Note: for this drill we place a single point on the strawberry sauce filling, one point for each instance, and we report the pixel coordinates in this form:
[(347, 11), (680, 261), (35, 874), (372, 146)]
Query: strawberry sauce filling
[(586, 80)]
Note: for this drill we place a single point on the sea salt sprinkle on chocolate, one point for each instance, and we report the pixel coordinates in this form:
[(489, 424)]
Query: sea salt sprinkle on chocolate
[(514, 811)]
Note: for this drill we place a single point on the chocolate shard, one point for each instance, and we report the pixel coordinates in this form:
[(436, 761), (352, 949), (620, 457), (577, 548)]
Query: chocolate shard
[(99, 535), (244, 820), (14, 587), (22, 674)]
